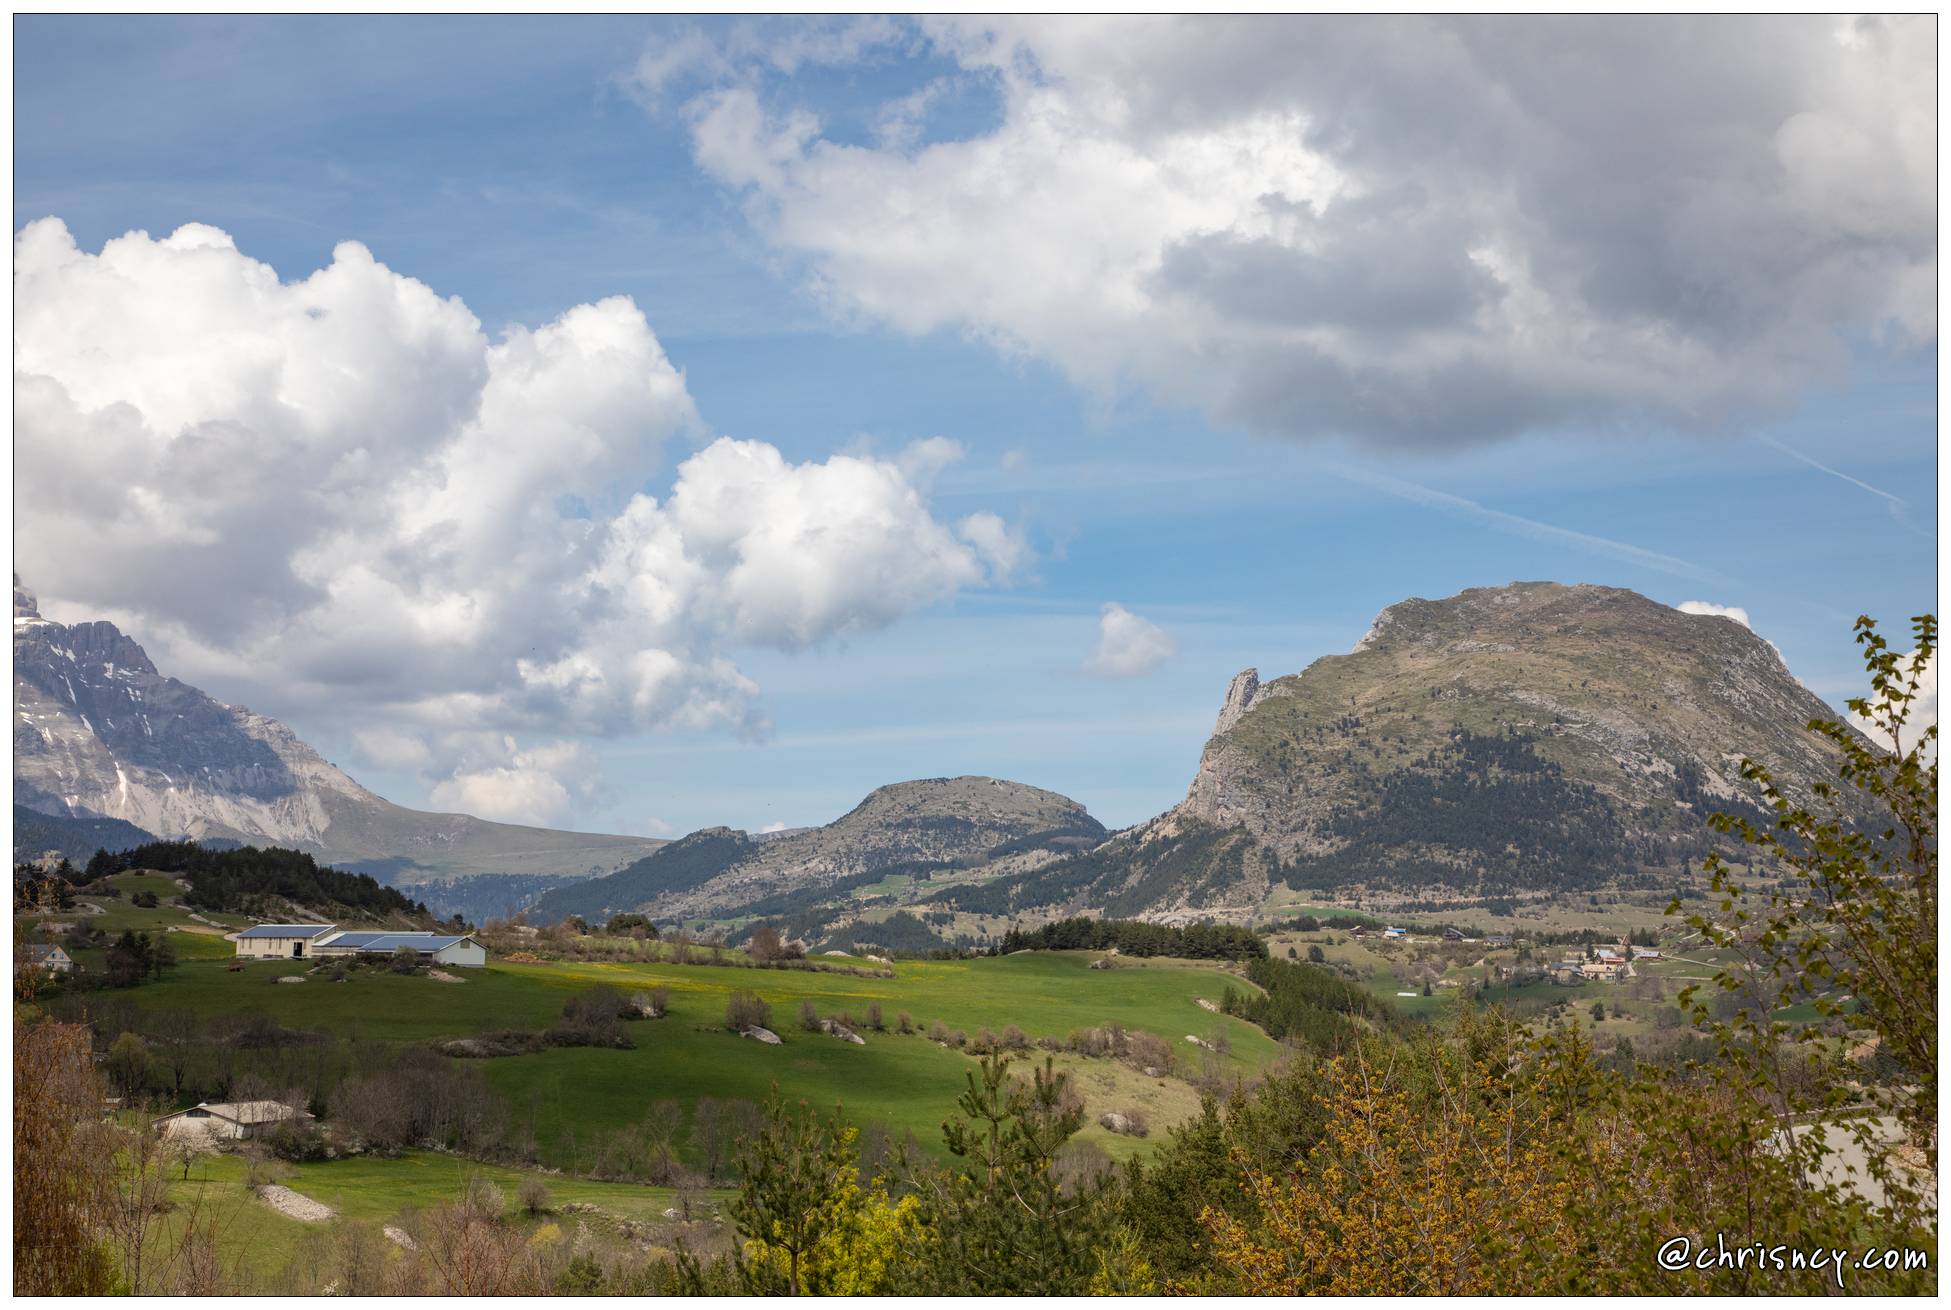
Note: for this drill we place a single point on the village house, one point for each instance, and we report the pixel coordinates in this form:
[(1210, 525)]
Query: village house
[(296, 941), (234, 1120), (52, 959), (1606, 970)]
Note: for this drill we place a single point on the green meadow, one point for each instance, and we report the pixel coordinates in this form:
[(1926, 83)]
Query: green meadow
[(569, 1099)]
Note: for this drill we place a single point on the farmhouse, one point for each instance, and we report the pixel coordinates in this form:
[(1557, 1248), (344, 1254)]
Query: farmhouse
[(51, 958), (292, 941), (232, 1119), (280, 941)]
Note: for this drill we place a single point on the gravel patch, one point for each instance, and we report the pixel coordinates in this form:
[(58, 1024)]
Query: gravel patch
[(295, 1204)]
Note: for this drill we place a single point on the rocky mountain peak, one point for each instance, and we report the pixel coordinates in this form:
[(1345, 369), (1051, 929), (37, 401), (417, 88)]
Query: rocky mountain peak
[(1624, 718), (1239, 699)]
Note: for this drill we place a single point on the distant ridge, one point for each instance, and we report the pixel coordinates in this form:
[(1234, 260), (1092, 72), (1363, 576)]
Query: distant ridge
[(100, 733)]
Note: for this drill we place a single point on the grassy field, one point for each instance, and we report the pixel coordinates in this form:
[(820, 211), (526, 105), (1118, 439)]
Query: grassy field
[(264, 1247), (569, 1099)]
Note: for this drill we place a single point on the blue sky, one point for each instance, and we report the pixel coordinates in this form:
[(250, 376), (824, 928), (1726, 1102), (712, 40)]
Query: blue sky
[(531, 166)]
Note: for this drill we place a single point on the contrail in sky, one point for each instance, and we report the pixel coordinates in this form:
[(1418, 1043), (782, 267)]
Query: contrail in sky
[(1523, 527), (1899, 507)]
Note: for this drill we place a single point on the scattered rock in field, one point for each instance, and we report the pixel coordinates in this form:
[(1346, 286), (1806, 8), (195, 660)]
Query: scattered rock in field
[(438, 976), (766, 1035), (1200, 1042), (840, 1030), (671, 1213), (292, 977), (1153, 1071), (295, 1205), (400, 1237), (1106, 963), (1205, 1004), (1116, 1122)]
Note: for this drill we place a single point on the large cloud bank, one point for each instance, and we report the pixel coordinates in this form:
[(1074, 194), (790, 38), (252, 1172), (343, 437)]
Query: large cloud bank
[(342, 488), (1411, 230)]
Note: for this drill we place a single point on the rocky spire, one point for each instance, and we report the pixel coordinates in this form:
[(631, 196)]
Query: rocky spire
[(1240, 694)]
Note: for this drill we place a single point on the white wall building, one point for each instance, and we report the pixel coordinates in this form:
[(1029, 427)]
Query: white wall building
[(296, 941), (280, 941)]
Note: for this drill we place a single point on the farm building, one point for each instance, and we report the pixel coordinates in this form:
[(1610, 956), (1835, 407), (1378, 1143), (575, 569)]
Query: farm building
[(283, 941), (51, 958), (232, 1119), (280, 941), (460, 951)]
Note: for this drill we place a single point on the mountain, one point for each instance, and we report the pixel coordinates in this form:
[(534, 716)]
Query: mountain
[(906, 828), (1504, 742), (37, 834), (100, 733)]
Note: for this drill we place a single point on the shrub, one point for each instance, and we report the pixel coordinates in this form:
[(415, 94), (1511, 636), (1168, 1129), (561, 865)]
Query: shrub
[(745, 1010), (1146, 1051), (594, 1018), (938, 1032), (764, 944), (405, 960), (809, 1018), (657, 1002), (874, 1020), (1015, 1039), (905, 1022), (533, 1196), (296, 1140), (958, 1039)]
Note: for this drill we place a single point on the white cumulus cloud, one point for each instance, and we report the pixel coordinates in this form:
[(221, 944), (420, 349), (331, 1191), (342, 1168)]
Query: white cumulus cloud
[(1128, 646), (1734, 612), (1922, 713), (539, 787), (340, 491), (1408, 229)]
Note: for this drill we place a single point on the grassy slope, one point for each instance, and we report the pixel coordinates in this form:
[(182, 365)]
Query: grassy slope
[(260, 1244), (572, 1097)]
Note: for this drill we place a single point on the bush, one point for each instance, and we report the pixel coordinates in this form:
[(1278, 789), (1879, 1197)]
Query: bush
[(809, 1018), (296, 1140), (405, 960), (1146, 1051), (533, 1196), (905, 1022), (745, 1010), (1015, 1039), (594, 1018), (874, 1017), (938, 1032)]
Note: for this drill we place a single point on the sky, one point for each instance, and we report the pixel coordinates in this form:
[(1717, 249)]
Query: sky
[(645, 424)]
